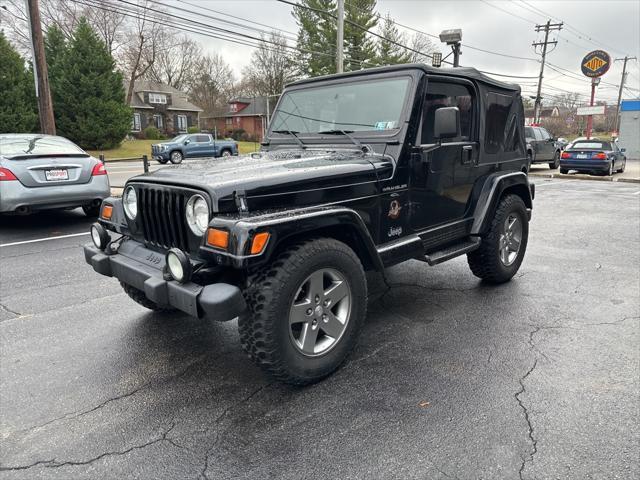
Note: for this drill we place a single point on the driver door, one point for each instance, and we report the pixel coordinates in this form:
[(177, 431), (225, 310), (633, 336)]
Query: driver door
[(442, 180)]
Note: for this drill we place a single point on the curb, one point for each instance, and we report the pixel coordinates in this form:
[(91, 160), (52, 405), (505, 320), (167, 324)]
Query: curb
[(578, 176)]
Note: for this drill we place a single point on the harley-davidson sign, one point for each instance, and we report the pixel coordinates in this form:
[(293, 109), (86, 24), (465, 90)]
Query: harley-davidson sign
[(596, 63)]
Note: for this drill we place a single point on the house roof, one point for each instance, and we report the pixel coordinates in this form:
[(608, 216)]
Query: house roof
[(179, 99), (257, 106)]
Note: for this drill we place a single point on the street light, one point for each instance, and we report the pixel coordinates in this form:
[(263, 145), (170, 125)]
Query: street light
[(453, 37)]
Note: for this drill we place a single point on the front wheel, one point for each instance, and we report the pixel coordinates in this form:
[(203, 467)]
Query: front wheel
[(176, 157), (556, 161), (305, 311), (502, 248)]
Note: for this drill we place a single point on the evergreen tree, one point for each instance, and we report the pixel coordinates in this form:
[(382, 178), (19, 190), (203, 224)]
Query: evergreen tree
[(389, 52), (317, 33), (89, 96), (18, 107), (360, 49)]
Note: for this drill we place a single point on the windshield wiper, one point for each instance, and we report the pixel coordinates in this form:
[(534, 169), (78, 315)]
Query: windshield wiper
[(346, 133), (294, 134)]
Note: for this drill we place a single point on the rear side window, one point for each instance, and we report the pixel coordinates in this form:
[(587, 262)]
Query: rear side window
[(202, 138), (537, 133), (441, 95), (498, 122)]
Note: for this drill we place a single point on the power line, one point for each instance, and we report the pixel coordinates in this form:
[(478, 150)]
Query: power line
[(508, 12)]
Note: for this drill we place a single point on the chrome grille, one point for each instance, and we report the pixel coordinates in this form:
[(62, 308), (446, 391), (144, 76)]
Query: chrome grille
[(162, 216)]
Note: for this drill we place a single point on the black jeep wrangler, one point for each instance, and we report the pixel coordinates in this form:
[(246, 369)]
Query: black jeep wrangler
[(358, 171)]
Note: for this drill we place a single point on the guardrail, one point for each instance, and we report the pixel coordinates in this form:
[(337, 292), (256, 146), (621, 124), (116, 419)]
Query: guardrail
[(144, 158)]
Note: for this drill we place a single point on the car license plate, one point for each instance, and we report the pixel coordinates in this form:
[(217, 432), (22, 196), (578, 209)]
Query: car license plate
[(56, 175), (582, 155)]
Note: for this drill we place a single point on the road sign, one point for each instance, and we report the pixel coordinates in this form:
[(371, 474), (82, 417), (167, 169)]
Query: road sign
[(596, 63), (594, 110)]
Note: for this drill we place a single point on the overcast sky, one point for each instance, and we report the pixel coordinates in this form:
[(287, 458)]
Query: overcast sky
[(501, 26)]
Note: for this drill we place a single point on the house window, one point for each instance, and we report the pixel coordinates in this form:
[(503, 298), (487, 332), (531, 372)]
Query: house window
[(228, 121), (157, 119), (182, 123), (233, 107), (135, 122), (157, 98)]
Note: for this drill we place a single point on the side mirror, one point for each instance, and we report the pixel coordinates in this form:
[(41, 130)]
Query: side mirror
[(623, 150), (446, 123), (187, 142)]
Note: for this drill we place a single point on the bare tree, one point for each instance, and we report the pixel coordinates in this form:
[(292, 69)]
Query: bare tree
[(110, 24), (179, 62), (568, 100), (271, 67), (139, 54), (213, 85), (422, 44)]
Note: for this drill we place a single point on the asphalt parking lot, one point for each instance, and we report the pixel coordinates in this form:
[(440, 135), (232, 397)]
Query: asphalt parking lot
[(538, 378)]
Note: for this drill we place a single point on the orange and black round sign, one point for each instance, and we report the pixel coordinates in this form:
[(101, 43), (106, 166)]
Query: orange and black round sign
[(596, 63)]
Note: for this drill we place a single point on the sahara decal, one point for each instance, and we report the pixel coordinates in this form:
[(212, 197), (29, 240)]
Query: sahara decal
[(394, 210)]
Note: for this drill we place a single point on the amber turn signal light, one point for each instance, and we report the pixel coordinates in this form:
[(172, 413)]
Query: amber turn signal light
[(107, 211), (217, 238), (259, 242)]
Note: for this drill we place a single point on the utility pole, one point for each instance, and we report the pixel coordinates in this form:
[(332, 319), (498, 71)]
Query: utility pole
[(45, 107), (340, 38), (616, 125), (547, 27)]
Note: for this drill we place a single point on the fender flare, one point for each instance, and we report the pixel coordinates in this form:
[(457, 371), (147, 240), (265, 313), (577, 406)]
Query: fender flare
[(495, 186), (284, 226)]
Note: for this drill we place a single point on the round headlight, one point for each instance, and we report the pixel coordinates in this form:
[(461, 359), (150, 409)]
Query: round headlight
[(130, 203), (197, 213), (99, 236), (178, 265)]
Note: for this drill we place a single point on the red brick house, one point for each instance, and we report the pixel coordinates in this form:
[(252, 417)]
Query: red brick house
[(242, 113)]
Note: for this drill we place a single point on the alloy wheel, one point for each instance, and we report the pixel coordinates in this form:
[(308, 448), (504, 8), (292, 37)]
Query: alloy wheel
[(510, 239), (320, 312)]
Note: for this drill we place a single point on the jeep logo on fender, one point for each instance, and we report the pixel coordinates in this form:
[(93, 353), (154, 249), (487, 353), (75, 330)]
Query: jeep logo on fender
[(153, 258), (596, 63)]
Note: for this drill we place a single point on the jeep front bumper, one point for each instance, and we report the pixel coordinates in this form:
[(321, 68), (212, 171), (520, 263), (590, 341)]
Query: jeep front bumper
[(142, 268)]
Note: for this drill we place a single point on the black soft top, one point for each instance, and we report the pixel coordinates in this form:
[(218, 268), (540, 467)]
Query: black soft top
[(461, 72)]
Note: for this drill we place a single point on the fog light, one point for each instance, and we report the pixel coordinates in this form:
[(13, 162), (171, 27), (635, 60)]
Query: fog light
[(99, 236), (178, 265)]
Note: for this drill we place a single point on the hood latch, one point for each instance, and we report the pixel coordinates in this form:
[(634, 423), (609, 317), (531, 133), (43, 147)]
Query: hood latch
[(241, 201)]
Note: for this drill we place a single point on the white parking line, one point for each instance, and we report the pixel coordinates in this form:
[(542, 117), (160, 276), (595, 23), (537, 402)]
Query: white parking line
[(552, 183), (636, 193), (43, 239)]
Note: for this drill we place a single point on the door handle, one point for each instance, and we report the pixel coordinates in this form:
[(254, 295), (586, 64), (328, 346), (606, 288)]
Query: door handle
[(467, 153)]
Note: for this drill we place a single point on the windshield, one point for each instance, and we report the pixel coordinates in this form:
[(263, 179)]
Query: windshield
[(591, 146), (366, 105), (179, 138), (38, 145)]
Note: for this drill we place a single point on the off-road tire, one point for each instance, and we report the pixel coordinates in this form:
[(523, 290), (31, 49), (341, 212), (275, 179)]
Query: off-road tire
[(91, 211), (485, 262), (556, 161), (140, 298), (265, 330)]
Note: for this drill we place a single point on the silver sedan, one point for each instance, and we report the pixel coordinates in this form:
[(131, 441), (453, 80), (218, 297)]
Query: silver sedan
[(40, 172)]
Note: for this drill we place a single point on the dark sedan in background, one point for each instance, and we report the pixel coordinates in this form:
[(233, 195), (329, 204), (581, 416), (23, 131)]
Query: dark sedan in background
[(542, 147), (593, 156), (41, 172)]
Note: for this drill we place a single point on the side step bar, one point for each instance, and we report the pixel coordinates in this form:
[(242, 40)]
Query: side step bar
[(452, 251)]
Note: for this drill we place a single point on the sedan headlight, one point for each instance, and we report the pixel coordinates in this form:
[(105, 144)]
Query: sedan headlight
[(130, 203), (197, 213)]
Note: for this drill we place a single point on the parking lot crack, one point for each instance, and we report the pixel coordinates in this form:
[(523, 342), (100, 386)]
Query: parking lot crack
[(8, 310), (530, 430)]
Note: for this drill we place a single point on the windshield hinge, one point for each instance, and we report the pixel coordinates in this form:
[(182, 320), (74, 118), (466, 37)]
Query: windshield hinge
[(241, 201)]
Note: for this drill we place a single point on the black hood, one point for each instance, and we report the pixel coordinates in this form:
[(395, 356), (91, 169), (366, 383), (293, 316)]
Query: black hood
[(280, 172)]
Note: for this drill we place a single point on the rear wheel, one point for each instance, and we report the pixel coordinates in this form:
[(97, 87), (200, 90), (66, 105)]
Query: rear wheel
[(176, 157), (502, 248), (556, 161), (139, 297), (305, 311), (564, 171), (610, 171), (225, 153), (162, 161)]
